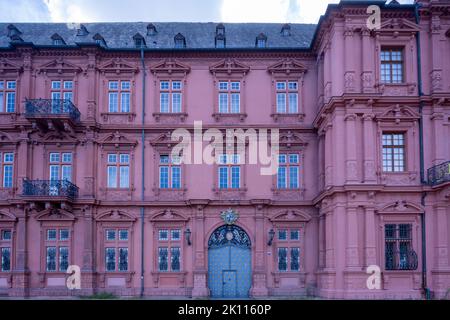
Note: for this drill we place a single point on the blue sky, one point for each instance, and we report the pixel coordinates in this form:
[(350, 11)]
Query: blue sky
[(304, 11)]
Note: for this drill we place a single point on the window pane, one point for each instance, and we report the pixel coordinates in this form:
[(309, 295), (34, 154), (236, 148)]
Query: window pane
[(293, 102), (223, 103), (113, 102), (123, 235), (164, 102), (2, 84), (124, 158), (123, 259), (51, 259), (295, 235), (56, 84), (389, 231), (175, 259), (235, 103), (125, 102), (293, 86), (281, 177), (282, 234), (282, 158), (124, 176), (110, 259), (125, 85), (235, 86), (223, 85), (10, 101), (164, 177), (235, 177), (7, 176), (51, 234), (176, 102), (1, 102), (54, 157), (6, 259), (281, 85), (63, 258), (163, 234), (281, 102), (163, 259), (66, 173), (6, 235), (112, 158), (293, 177), (68, 85), (112, 177), (176, 234), (164, 85), (113, 85), (176, 177), (67, 157), (110, 235), (64, 234), (223, 177), (176, 85), (164, 159), (282, 259), (295, 259)]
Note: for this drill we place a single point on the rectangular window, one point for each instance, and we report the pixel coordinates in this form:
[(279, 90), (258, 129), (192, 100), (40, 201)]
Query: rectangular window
[(119, 95), (282, 234), (398, 247), (63, 258), (229, 171), (282, 259), (110, 259), (110, 235), (163, 259), (118, 170), (287, 97), (123, 235), (175, 259), (7, 96), (6, 259), (60, 167), (229, 97), (393, 152), (51, 234), (163, 235), (51, 259), (391, 65), (64, 234), (288, 171), (169, 172), (7, 169), (175, 234), (61, 93), (6, 235), (289, 250), (123, 259), (170, 97), (295, 259)]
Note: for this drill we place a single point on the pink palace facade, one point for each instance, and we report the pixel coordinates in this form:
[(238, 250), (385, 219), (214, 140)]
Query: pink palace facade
[(86, 115)]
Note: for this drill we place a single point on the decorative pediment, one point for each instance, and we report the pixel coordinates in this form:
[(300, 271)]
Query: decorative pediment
[(118, 66), (398, 113), (229, 66), (291, 216), (397, 25), (6, 216), (59, 137), (168, 215), (291, 139), (59, 66), (164, 140), (115, 216), (400, 207), (7, 66), (53, 214), (170, 66), (5, 138), (287, 67), (116, 140)]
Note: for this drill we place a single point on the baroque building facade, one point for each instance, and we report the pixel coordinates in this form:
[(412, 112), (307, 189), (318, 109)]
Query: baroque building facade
[(88, 179)]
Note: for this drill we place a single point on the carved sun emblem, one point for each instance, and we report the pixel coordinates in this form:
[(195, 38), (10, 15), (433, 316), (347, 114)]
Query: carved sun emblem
[(229, 216)]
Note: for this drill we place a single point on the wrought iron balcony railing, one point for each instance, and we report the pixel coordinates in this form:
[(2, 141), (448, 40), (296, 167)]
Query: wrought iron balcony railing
[(50, 188), (49, 107), (439, 174), (401, 260)]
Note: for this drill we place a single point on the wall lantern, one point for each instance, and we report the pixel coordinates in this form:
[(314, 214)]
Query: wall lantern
[(187, 234), (271, 236)]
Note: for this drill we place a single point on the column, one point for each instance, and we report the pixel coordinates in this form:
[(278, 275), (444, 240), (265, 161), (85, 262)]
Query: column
[(352, 239), (21, 272), (442, 236), (328, 156), (349, 75), (350, 163), (370, 236), (367, 57), (369, 156), (200, 288), (259, 283), (88, 270)]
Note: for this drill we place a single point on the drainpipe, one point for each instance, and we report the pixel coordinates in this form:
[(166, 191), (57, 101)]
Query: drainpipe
[(143, 173), (426, 290)]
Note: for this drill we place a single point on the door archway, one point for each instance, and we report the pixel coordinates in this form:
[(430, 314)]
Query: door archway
[(229, 262)]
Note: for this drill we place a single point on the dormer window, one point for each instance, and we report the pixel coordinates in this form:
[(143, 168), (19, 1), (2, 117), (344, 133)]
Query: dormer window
[(286, 30), (180, 41), (13, 31), (57, 40), (82, 31), (99, 40), (220, 30), (151, 29), (139, 40), (261, 40), (220, 41)]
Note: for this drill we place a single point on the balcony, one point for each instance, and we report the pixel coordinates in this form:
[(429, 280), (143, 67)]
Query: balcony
[(439, 174), (52, 114), (49, 190)]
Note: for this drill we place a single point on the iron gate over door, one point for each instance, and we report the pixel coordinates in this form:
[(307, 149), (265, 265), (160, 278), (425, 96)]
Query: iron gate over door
[(229, 262)]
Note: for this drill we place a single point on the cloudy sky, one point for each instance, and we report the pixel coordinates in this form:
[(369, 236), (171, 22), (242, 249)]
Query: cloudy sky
[(304, 11)]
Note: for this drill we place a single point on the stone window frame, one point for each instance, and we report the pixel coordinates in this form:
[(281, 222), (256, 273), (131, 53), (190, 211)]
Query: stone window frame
[(104, 97), (103, 163), (5, 92), (8, 226), (59, 149), (117, 244)]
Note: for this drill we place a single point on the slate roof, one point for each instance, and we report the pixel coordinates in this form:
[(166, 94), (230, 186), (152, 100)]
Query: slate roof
[(119, 35)]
